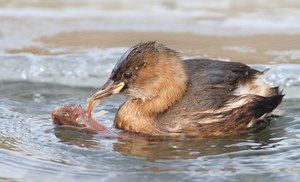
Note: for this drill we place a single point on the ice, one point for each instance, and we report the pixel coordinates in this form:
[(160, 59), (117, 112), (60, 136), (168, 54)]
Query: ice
[(80, 69), (91, 68), (284, 75)]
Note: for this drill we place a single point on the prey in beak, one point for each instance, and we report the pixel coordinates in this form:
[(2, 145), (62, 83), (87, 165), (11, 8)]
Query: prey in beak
[(122, 75), (108, 89)]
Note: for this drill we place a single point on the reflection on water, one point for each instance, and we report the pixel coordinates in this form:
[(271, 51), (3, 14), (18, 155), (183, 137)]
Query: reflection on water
[(42, 149), (76, 43), (153, 150)]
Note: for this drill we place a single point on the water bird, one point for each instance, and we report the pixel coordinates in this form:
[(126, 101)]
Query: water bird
[(169, 96)]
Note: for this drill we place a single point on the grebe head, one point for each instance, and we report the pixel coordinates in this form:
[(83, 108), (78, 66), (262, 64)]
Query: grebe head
[(145, 72)]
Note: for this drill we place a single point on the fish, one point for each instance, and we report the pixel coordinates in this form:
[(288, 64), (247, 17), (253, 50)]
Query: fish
[(75, 117)]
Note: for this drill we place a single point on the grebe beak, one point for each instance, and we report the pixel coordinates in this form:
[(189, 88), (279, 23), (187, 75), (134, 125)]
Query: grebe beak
[(108, 89)]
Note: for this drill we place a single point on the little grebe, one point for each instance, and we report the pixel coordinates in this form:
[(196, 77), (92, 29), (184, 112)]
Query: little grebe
[(168, 96)]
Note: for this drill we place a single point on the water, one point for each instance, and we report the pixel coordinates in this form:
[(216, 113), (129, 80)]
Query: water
[(59, 52), (31, 147)]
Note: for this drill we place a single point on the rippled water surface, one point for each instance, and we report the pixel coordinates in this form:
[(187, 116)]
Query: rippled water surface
[(58, 52), (31, 147)]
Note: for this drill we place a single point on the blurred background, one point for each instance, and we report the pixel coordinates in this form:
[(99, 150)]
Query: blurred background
[(59, 51), (249, 31)]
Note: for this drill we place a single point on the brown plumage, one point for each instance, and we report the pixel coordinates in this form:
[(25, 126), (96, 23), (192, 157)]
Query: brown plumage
[(168, 96)]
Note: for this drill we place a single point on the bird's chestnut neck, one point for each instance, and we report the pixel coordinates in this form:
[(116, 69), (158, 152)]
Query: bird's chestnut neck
[(169, 88)]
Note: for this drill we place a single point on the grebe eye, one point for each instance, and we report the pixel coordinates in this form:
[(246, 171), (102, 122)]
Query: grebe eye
[(127, 75)]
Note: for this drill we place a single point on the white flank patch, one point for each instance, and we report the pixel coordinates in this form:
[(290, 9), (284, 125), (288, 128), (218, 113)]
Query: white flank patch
[(241, 90), (256, 87)]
